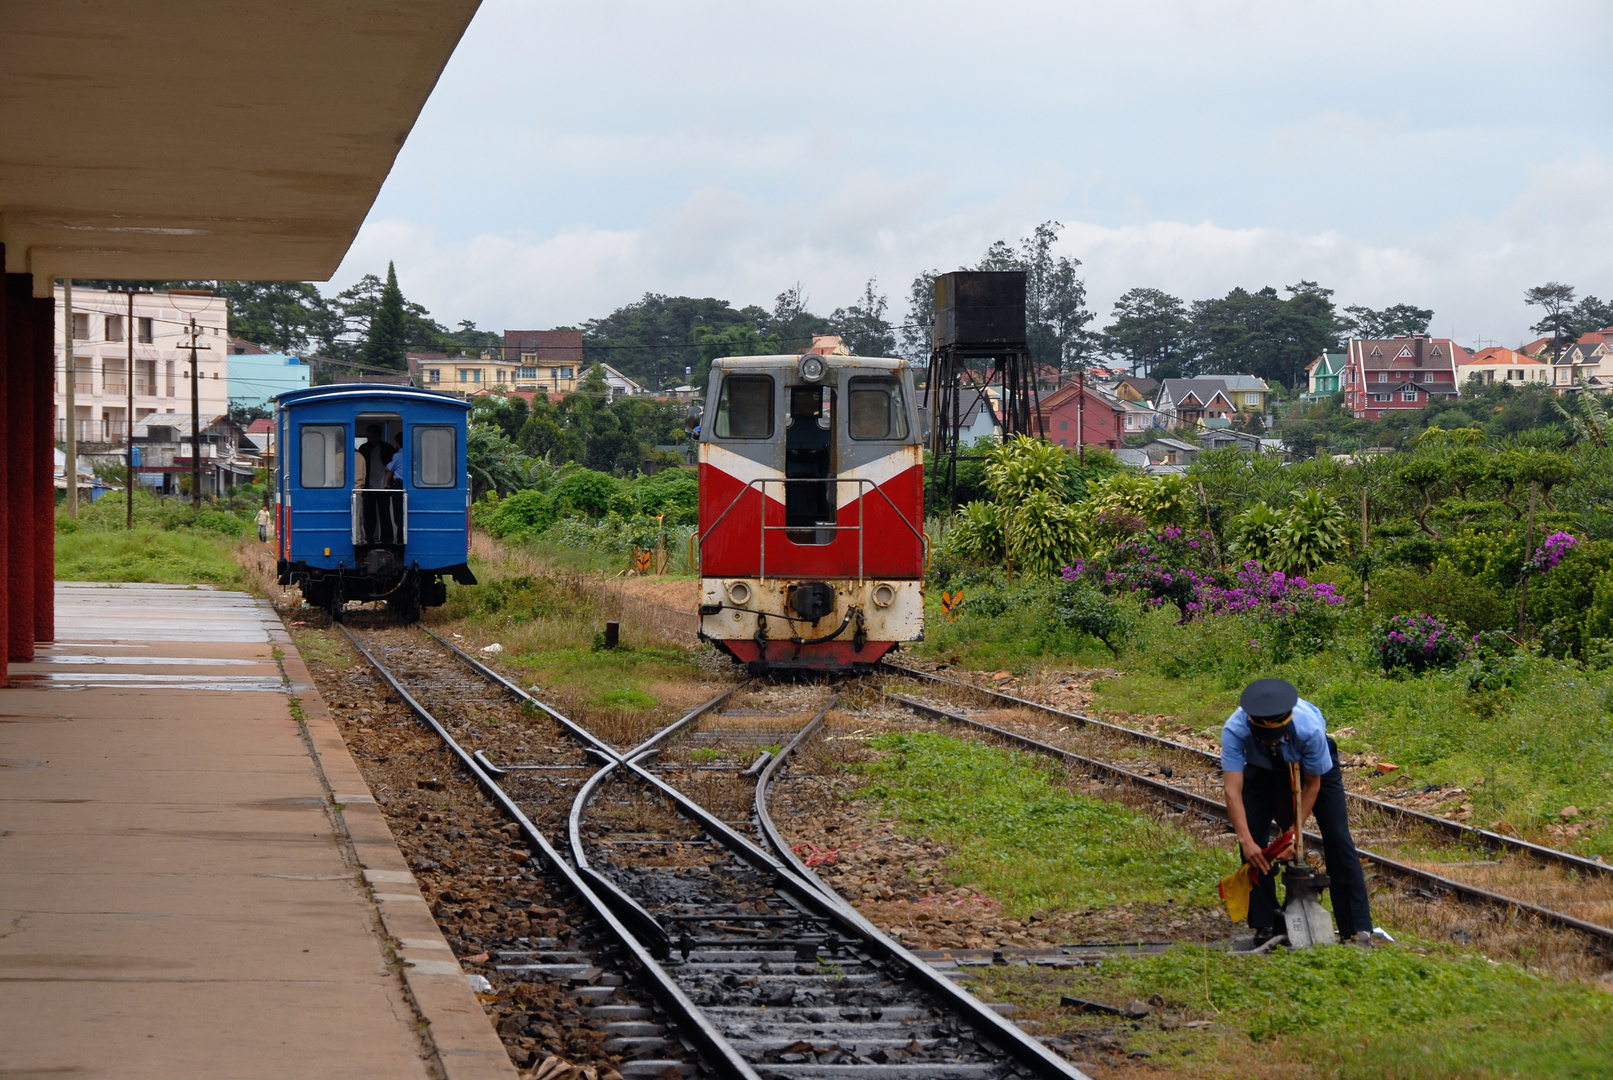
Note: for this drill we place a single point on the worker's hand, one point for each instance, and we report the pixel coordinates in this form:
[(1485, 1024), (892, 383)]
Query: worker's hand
[(1253, 854), (1286, 853)]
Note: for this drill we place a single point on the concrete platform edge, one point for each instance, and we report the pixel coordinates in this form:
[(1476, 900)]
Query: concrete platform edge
[(467, 1046)]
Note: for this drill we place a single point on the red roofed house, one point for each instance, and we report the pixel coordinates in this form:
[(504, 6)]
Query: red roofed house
[(1385, 376), (1498, 365), (1068, 420)]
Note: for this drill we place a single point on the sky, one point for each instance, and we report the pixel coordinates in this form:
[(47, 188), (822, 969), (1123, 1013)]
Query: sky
[(575, 156)]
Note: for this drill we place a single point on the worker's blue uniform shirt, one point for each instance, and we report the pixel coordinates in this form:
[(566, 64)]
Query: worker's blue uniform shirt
[(1239, 749)]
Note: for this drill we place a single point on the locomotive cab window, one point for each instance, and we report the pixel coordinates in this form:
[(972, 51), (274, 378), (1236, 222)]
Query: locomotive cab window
[(323, 450), (435, 463), (745, 407), (876, 409)]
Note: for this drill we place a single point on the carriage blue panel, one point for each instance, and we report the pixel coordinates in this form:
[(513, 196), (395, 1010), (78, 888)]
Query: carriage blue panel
[(320, 518)]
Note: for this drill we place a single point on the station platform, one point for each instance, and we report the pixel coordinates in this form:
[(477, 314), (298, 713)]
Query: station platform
[(194, 879)]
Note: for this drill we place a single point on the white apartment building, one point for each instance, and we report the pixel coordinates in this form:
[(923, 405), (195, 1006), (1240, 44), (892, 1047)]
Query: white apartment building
[(160, 336)]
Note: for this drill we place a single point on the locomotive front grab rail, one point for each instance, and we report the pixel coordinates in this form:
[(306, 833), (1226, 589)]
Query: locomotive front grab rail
[(760, 484)]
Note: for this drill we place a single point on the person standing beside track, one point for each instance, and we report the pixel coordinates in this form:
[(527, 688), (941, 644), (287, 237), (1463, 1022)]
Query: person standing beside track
[(1273, 728)]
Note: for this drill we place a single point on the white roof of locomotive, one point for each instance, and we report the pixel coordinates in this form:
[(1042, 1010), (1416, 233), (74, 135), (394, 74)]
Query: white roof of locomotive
[(792, 360)]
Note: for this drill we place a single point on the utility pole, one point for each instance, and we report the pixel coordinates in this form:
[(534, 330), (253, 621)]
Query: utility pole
[(1081, 414), (195, 422), (68, 425), (128, 424)]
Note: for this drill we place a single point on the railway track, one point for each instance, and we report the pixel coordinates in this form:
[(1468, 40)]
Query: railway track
[(1433, 855), (588, 971), (751, 962)]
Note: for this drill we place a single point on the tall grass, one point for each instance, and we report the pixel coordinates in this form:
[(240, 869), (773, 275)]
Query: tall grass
[(1021, 835), (146, 554), (172, 541)]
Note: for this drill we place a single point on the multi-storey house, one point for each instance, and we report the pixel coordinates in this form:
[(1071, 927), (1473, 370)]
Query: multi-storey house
[(1385, 376)]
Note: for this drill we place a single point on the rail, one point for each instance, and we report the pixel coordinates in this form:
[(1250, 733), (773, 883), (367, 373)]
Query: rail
[(760, 485), (1483, 837), (813, 896), (699, 1028), (808, 890), (1215, 809)]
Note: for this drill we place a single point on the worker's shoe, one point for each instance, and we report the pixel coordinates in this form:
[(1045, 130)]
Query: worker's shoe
[(1262, 935)]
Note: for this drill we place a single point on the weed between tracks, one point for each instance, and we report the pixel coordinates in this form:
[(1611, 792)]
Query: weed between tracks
[(547, 625)]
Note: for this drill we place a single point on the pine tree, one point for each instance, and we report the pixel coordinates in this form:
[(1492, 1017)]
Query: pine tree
[(385, 346)]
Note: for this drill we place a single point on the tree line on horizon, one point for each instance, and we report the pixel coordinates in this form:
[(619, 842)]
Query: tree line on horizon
[(662, 341)]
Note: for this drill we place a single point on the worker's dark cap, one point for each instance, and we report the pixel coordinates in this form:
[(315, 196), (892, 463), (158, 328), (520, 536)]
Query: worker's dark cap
[(1269, 700)]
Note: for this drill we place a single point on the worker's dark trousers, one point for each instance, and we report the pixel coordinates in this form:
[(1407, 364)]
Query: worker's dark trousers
[(1267, 797), (378, 517)]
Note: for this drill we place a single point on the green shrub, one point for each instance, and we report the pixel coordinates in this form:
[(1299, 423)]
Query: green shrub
[(220, 522), (586, 492), (1599, 613), (1418, 643), (1229, 650), (977, 535), (1313, 533), (526, 513), (674, 493), (1044, 535), (1159, 501), (1082, 607), (1492, 557), (1444, 592), (1562, 598), (1254, 533), (1023, 466), (518, 599)]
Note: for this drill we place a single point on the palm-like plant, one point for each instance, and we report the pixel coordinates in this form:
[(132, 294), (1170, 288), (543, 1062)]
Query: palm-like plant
[(1255, 532), (1314, 532), (1587, 419), (977, 535), (1023, 465), (1043, 535)]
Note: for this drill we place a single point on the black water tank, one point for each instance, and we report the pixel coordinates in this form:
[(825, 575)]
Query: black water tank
[(980, 307)]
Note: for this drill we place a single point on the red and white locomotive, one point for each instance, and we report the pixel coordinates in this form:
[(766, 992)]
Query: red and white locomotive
[(812, 546)]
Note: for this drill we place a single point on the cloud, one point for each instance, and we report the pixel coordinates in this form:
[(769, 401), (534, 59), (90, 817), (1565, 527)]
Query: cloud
[(725, 243)]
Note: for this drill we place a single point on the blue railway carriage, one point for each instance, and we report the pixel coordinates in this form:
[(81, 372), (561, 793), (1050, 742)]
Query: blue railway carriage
[(372, 496)]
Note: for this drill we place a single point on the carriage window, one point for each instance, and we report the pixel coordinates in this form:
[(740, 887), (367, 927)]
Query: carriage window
[(745, 407), (876, 409), (324, 456), (434, 464)]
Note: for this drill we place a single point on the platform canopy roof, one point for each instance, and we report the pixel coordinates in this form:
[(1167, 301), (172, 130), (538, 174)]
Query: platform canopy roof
[(171, 139)]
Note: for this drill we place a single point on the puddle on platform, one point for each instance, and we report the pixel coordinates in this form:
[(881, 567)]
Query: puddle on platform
[(123, 680)]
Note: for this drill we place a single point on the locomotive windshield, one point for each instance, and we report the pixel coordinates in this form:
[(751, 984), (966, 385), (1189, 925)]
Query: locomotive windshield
[(745, 407), (876, 409)]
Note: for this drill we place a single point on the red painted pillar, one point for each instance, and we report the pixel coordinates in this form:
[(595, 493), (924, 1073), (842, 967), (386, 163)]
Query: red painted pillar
[(19, 466), (44, 468), (9, 313)]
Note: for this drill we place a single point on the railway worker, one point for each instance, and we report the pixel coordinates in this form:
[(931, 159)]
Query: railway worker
[(394, 487), (1273, 728), (376, 453)]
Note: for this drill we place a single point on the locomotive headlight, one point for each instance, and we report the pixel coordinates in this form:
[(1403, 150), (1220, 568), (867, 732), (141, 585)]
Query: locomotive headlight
[(812, 367), (884, 595), (738, 593)]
